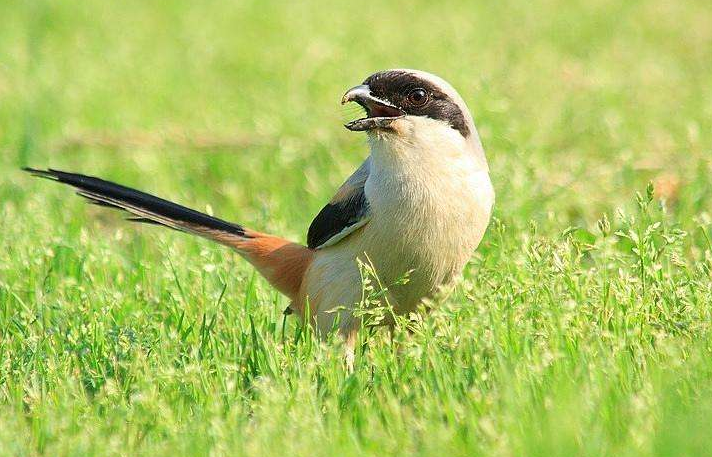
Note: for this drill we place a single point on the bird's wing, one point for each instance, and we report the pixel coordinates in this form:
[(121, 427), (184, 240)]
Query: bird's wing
[(344, 214)]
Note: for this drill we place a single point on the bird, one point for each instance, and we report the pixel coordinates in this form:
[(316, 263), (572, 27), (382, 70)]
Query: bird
[(418, 206)]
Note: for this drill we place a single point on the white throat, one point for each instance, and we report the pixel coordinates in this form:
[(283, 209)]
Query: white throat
[(422, 144)]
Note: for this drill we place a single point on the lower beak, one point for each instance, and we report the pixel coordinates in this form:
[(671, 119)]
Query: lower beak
[(380, 113)]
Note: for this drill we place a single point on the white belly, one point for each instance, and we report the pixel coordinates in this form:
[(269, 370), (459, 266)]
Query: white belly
[(415, 231)]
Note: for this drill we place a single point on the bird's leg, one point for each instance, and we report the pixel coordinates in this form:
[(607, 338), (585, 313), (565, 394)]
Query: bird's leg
[(349, 357), (350, 335)]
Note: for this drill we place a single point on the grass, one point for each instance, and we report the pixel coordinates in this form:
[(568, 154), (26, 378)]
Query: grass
[(581, 327)]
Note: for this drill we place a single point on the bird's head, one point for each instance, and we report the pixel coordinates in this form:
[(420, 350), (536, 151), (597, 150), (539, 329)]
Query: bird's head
[(413, 106)]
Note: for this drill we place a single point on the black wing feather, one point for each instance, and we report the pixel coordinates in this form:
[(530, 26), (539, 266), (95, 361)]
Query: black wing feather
[(336, 217)]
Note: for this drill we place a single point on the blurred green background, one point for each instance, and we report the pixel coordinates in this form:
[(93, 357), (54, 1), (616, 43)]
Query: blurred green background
[(232, 107), (577, 103)]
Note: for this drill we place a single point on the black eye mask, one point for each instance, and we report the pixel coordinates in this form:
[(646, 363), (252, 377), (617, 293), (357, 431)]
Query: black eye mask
[(395, 86)]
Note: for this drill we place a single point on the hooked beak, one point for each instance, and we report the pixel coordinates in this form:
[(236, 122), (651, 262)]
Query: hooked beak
[(379, 113)]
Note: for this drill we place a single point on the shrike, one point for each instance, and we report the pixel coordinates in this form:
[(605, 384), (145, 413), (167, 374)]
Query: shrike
[(418, 205)]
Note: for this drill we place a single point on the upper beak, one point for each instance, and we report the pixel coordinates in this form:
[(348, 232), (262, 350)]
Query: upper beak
[(380, 113), (355, 93)]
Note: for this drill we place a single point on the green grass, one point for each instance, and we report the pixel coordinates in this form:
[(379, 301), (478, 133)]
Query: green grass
[(581, 328)]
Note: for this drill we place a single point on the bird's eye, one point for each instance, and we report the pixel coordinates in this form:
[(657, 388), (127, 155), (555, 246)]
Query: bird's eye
[(418, 97)]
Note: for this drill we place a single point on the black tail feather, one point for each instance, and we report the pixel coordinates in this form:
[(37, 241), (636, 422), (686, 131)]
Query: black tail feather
[(144, 220), (99, 202), (146, 207)]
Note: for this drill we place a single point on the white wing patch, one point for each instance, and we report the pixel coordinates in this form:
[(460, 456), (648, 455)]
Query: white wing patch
[(344, 233)]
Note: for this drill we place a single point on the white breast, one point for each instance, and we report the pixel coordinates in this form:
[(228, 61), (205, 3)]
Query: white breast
[(430, 201)]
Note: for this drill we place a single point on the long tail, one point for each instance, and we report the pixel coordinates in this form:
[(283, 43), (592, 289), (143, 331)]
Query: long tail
[(281, 262)]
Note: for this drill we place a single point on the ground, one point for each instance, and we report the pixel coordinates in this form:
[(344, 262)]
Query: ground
[(582, 324)]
